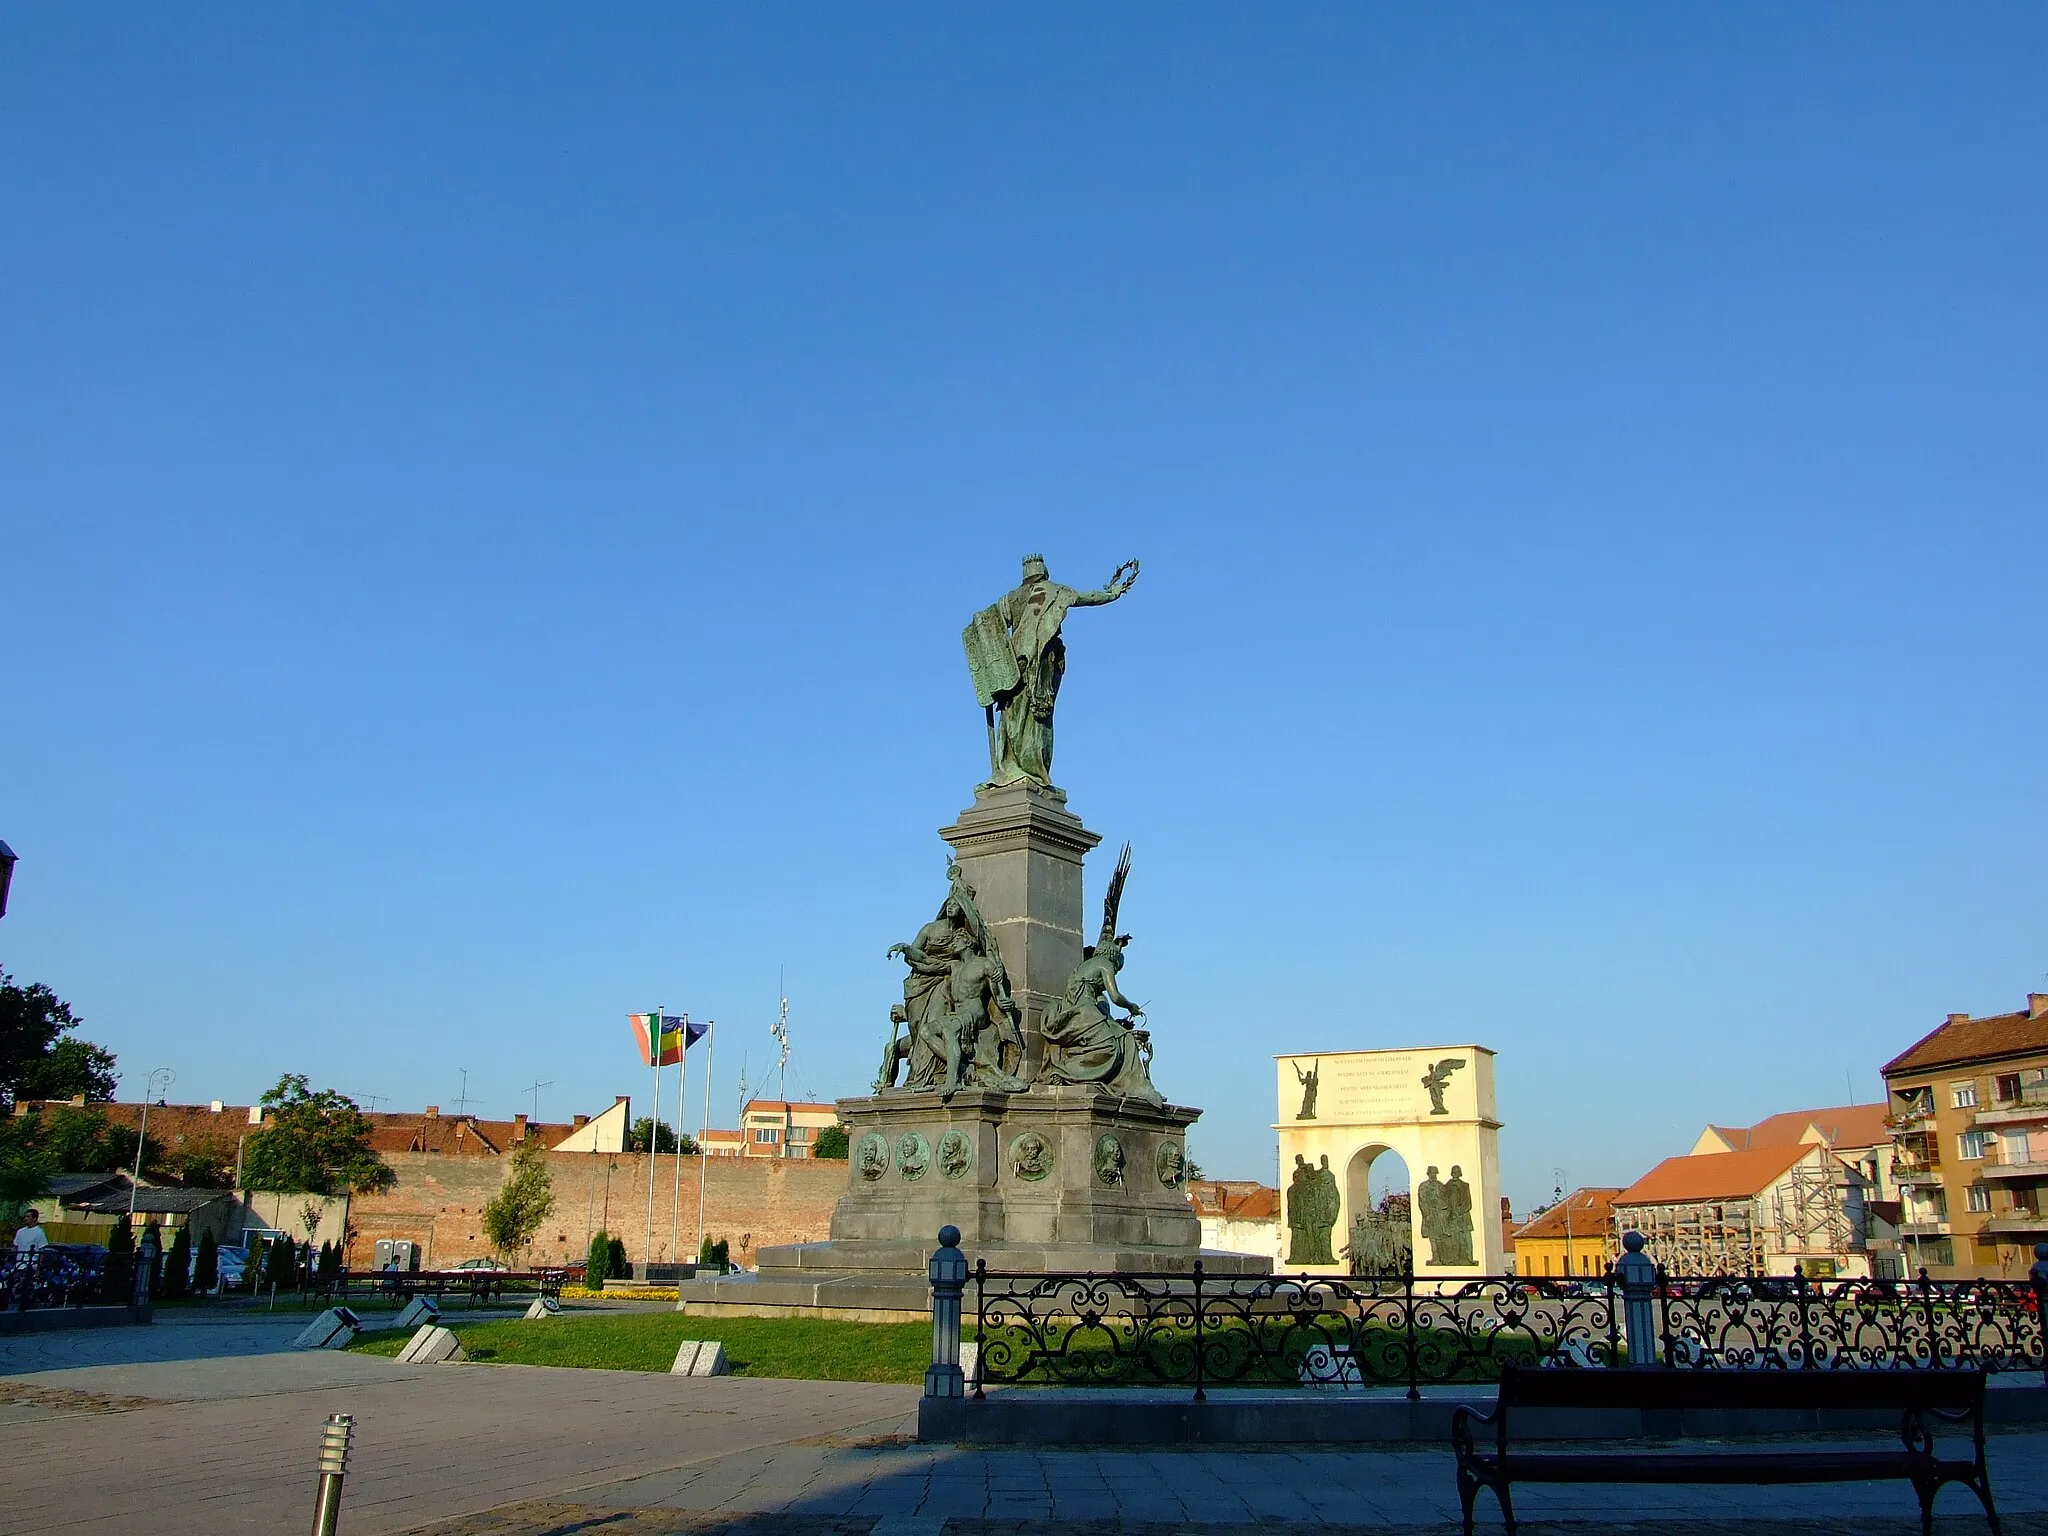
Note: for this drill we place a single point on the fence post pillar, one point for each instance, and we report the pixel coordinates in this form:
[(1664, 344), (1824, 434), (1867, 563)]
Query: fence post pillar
[(1638, 1276), (2039, 1275), (948, 1271)]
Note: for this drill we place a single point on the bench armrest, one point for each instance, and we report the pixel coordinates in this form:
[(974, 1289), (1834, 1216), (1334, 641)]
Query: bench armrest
[(1463, 1418)]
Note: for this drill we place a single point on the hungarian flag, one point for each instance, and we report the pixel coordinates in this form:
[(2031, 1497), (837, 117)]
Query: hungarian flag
[(671, 1037)]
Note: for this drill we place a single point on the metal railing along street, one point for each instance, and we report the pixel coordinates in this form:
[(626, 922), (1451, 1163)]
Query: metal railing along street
[(1199, 1331)]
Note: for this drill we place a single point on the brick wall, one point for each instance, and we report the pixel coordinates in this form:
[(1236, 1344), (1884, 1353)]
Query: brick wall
[(438, 1203)]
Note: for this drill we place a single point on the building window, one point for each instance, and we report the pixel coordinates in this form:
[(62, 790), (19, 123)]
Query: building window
[(2026, 1200), (2006, 1088), (1963, 1095), (799, 1133), (2014, 1148), (767, 1133), (1980, 1197), (1971, 1143)]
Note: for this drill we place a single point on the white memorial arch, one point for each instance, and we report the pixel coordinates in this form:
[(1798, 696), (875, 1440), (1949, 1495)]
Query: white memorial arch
[(1343, 1110)]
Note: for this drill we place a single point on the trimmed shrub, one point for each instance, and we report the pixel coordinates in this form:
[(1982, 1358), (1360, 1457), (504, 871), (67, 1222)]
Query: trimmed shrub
[(597, 1268), (615, 1264), (206, 1268), (278, 1269), (178, 1263)]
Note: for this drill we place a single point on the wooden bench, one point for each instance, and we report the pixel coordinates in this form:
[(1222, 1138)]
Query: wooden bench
[(1922, 1399)]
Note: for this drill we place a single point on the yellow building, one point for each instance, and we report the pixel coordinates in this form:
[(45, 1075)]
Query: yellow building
[(1573, 1237)]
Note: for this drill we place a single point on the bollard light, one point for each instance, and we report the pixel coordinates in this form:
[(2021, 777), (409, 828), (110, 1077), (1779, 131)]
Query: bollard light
[(335, 1435)]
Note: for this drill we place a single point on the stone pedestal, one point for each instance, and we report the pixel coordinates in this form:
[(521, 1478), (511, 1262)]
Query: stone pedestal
[(1021, 849), (1053, 1179)]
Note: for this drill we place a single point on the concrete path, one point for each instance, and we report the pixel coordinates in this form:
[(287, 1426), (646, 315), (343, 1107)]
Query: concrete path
[(211, 1428)]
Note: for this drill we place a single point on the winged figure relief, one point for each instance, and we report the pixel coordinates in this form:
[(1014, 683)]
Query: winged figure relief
[(1437, 1078)]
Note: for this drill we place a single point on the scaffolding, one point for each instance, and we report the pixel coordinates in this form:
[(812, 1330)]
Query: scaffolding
[(1700, 1237), (1812, 1209)]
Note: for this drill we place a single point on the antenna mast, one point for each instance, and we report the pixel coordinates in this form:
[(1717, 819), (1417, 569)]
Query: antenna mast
[(780, 1030)]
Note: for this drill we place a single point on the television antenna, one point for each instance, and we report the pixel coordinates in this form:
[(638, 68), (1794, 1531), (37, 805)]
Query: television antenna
[(372, 1099), (463, 1100), (780, 1030), (534, 1089)]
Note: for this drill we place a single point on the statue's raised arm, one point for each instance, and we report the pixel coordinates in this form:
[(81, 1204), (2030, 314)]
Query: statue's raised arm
[(1016, 659)]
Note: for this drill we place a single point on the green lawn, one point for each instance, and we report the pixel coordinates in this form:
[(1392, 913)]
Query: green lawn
[(805, 1348)]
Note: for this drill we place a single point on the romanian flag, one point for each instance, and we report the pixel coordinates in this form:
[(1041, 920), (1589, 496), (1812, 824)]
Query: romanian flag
[(672, 1036)]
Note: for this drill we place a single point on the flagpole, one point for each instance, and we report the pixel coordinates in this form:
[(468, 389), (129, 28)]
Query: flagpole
[(683, 1108), (653, 1128), (703, 1148)]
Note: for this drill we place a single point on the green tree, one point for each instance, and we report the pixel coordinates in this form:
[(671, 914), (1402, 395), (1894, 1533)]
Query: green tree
[(206, 1268), (523, 1202), (278, 1262), (616, 1266), (178, 1262), (664, 1137), (312, 1143), (598, 1266), (831, 1143), (39, 1056), (82, 1140), (122, 1238), (26, 1165), (205, 1163)]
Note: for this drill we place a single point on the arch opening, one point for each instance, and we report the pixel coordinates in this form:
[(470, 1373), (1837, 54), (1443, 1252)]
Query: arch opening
[(1378, 1238)]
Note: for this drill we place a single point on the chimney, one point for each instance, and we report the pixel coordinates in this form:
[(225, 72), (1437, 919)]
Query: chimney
[(433, 1111), (519, 1127), (78, 1101), (255, 1114), (1959, 1018), (2037, 1004), (581, 1121), (620, 1098)]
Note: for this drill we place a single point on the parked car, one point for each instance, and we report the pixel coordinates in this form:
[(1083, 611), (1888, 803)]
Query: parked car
[(483, 1264), (232, 1266)]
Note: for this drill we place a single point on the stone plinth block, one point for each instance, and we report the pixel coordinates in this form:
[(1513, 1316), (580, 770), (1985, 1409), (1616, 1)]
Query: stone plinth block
[(330, 1330), (1021, 850), (432, 1345), (418, 1312), (1056, 1180), (696, 1357)]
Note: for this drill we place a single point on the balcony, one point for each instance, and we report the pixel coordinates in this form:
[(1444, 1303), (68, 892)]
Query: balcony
[(2031, 1105), (2015, 1224), (1995, 1166), (1924, 1229), (1913, 1170), (1919, 1117)]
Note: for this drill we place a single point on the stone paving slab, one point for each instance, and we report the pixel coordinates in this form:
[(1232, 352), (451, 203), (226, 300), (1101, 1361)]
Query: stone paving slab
[(552, 1519)]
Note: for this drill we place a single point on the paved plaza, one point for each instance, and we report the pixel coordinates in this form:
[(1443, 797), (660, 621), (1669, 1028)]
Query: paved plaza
[(208, 1426)]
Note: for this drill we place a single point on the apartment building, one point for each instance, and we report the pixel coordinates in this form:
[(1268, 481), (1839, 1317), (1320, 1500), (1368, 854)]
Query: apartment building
[(1969, 1122)]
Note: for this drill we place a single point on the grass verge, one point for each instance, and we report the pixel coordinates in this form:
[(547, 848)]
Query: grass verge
[(800, 1348)]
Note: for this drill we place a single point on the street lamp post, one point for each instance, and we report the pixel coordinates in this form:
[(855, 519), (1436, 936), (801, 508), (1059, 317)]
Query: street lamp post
[(149, 1091), (1558, 1173)]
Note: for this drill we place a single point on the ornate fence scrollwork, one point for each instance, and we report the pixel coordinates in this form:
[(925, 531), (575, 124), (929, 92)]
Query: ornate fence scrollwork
[(1200, 1331)]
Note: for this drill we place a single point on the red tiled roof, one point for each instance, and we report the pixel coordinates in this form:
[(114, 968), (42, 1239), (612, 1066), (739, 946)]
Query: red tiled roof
[(1711, 1176), (1234, 1199), (1963, 1038), (1844, 1125), (1592, 1211)]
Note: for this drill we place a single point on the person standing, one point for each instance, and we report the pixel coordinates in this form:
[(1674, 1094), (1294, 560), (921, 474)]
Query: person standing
[(29, 1238)]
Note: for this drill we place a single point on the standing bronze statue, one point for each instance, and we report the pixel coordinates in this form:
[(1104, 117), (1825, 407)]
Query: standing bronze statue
[(1016, 657)]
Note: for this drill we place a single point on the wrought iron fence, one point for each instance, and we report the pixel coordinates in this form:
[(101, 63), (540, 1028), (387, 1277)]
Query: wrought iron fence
[(1200, 1331), (65, 1275)]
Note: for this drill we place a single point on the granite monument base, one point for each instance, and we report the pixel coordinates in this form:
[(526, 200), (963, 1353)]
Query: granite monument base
[(1063, 1180)]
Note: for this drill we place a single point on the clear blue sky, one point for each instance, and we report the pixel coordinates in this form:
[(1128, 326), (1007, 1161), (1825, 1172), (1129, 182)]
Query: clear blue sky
[(489, 496)]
